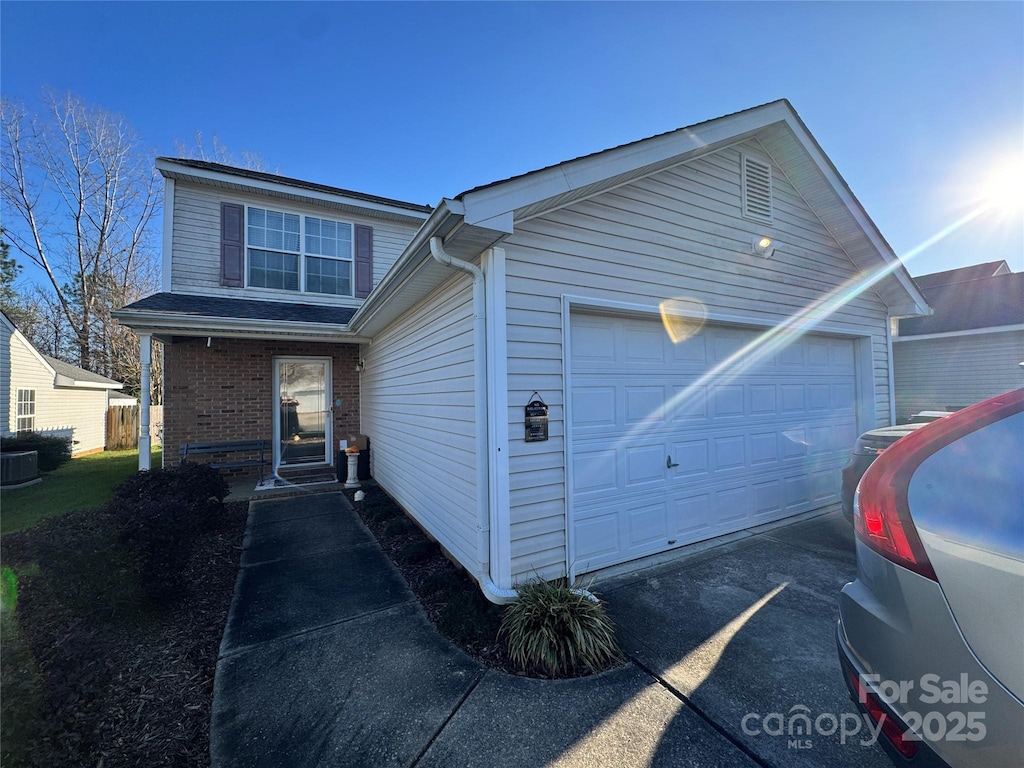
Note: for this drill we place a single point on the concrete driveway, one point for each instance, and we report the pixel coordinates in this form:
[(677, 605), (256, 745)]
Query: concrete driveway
[(328, 659), (745, 634)]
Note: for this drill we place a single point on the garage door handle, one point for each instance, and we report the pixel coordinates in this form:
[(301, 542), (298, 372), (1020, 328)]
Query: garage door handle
[(668, 462)]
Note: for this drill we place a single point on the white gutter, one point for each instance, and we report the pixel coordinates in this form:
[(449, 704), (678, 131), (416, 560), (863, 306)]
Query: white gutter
[(486, 511)]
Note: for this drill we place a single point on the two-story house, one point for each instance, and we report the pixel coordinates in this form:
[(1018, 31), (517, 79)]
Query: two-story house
[(559, 372)]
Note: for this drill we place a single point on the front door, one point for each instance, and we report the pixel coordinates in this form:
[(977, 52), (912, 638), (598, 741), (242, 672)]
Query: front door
[(302, 421)]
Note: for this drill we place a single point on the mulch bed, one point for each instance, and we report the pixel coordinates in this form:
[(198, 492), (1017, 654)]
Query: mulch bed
[(131, 687), (451, 599)]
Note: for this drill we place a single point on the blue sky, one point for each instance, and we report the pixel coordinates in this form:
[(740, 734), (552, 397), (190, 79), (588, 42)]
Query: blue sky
[(914, 102)]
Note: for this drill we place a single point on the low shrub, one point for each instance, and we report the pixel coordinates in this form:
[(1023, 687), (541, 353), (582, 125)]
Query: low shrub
[(53, 451), (199, 487), (158, 513), (558, 631)]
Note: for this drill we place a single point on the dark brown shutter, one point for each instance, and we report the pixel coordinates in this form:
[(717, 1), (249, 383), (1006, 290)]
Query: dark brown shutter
[(364, 261), (232, 255)]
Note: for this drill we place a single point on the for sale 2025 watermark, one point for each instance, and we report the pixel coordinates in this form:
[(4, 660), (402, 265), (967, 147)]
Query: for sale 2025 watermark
[(957, 714)]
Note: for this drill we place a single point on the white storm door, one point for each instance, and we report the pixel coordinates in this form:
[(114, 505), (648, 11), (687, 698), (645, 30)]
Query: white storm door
[(302, 412)]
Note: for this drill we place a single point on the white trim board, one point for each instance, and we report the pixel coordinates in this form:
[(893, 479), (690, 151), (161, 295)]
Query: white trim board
[(968, 332)]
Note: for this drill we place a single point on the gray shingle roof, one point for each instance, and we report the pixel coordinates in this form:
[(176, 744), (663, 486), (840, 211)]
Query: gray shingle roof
[(986, 302), (963, 274), (77, 374), (245, 309), (298, 183)]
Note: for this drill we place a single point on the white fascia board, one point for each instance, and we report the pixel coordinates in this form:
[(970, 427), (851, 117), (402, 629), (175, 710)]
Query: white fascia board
[(446, 216), (577, 174), (169, 167), (67, 382), (953, 334), (168, 235)]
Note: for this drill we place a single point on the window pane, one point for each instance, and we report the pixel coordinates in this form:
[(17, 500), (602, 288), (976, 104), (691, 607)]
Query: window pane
[(275, 220), (312, 226), (257, 217), (269, 269), (328, 276)]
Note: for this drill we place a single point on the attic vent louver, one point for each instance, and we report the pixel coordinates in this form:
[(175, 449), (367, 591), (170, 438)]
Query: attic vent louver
[(757, 190)]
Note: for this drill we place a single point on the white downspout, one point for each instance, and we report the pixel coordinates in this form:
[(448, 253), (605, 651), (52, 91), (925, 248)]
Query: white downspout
[(486, 512)]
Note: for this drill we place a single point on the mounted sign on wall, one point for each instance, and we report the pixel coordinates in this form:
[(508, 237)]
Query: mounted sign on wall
[(536, 420)]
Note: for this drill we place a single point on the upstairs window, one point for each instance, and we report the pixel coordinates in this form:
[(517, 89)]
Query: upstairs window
[(299, 253), (273, 249), (328, 257), (26, 410)]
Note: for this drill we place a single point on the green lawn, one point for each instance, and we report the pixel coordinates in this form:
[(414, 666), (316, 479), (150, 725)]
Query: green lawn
[(81, 483)]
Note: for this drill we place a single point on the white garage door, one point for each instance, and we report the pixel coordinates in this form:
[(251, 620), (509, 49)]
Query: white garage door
[(661, 458)]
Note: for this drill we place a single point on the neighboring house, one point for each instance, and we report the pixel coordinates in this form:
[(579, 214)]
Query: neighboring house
[(705, 314), (970, 349), (48, 396)]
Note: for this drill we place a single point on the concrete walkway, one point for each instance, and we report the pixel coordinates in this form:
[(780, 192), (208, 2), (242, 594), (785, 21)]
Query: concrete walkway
[(328, 660)]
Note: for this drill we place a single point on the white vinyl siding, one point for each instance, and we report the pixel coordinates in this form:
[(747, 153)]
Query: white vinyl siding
[(195, 264), (955, 371), (417, 408), (677, 234), (6, 339), (74, 412)]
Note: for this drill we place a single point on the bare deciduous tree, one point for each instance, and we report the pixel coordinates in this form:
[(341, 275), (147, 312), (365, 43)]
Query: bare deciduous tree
[(218, 153), (82, 194)]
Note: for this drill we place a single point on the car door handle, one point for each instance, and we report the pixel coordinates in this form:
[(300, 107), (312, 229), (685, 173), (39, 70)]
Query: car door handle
[(668, 462)]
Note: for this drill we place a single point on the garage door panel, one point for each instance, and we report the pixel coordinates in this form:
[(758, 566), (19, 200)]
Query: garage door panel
[(843, 398), (819, 398), (593, 407), (692, 458), (590, 342), (767, 499), (728, 401), (731, 507), (594, 471), (647, 527), (693, 352), (644, 404), (692, 517), (764, 448), (644, 464), (689, 403), (643, 344), (767, 443), (762, 400), (730, 453), (597, 540)]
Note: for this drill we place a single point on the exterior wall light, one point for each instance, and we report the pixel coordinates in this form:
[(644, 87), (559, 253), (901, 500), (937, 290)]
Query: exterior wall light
[(762, 246)]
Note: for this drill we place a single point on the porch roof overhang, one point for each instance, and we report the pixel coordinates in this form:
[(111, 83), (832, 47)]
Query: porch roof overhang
[(174, 314)]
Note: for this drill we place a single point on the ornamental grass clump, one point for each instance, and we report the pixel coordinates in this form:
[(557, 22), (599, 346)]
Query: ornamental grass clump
[(557, 631)]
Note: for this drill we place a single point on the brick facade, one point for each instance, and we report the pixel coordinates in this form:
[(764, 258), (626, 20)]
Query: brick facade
[(224, 391)]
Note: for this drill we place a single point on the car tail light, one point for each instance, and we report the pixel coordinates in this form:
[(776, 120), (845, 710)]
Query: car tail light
[(881, 513), (891, 727)]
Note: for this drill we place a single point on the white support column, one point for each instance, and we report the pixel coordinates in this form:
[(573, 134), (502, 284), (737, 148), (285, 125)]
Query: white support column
[(146, 360)]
